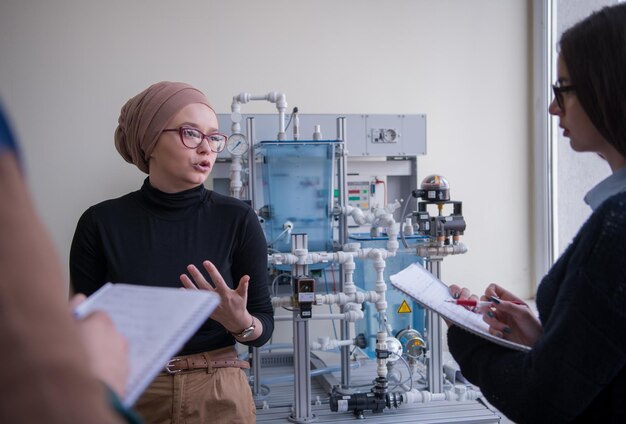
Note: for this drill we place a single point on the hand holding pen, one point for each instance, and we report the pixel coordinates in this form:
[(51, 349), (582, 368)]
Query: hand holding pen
[(478, 304), (512, 318), (507, 315)]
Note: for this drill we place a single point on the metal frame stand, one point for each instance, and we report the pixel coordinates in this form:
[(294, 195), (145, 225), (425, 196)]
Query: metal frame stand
[(435, 359), (344, 326), (301, 353)]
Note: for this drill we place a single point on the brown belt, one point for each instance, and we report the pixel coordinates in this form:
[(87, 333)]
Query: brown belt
[(201, 362)]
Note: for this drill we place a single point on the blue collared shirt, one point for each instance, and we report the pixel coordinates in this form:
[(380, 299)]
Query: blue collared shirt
[(611, 185)]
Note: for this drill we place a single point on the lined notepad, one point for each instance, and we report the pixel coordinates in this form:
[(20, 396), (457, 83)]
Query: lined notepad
[(156, 321), (432, 293)]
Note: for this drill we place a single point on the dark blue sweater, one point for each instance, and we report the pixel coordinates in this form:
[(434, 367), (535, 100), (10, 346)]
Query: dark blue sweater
[(149, 237), (576, 371)]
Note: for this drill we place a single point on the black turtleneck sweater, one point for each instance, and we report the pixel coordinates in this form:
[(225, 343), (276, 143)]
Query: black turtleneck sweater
[(148, 237)]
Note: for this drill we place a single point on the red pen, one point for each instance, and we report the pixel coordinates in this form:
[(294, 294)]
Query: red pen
[(470, 302)]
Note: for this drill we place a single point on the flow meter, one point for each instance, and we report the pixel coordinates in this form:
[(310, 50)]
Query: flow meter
[(305, 292)]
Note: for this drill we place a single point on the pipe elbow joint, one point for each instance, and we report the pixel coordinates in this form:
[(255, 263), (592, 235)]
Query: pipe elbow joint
[(242, 97), (374, 254)]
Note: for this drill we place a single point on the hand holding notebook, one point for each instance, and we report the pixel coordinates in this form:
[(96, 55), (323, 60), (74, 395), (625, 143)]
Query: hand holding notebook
[(156, 322)]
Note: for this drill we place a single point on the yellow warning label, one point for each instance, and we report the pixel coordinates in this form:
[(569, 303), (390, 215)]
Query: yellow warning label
[(404, 308)]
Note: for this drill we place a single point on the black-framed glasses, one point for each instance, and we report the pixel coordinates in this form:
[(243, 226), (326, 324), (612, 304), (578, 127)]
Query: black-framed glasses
[(558, 93), (192, 138)]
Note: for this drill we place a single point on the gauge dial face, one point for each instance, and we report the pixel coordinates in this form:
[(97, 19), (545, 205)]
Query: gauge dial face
[(237, 144)]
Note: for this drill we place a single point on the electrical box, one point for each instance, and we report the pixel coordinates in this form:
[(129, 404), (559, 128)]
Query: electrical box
[(374, 135)]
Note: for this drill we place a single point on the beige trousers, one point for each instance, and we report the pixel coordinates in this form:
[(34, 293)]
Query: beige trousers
[(218, 395)]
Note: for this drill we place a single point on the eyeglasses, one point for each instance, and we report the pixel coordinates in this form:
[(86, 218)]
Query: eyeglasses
[(192, 138), (558, 93)]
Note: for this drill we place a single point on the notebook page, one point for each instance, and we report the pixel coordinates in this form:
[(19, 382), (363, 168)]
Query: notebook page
[(156, 321), (425, 288)]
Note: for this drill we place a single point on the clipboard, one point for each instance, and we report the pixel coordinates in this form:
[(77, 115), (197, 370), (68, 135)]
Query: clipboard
[(422, 286)]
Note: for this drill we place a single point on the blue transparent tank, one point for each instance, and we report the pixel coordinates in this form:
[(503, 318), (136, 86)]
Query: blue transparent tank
[(297, 188), (365, 279)]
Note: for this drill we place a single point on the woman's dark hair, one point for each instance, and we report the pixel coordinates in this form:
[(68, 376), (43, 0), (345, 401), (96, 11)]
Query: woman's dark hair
[(594, 51)]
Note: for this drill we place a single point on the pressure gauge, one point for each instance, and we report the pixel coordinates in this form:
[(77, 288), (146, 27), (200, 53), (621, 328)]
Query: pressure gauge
[(237, 144)]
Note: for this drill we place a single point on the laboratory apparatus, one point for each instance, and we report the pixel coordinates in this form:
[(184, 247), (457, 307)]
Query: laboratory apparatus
[(338, 198)]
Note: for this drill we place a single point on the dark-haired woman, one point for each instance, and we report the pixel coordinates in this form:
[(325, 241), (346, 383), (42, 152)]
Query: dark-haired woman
[(576, 368)]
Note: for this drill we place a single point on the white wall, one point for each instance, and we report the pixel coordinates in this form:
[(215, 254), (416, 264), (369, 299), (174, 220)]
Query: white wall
[(68, 66)]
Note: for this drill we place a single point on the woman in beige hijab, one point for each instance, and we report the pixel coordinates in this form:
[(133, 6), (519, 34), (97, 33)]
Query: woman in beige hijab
[(174, 231)]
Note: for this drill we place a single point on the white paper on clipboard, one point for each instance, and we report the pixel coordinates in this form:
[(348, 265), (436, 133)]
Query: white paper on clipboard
[(432, 293)]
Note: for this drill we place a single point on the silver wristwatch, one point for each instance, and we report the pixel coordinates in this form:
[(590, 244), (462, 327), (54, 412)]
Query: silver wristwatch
[(246, 331)]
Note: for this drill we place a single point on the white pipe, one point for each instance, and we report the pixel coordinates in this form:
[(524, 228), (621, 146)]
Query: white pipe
[(273, 97), (360, 217), (326, 343), (282, 259), (381, 363), (281, 302), (392, 243), (352, 304), (350, 316), (235, 177), (344, 299), (304, 257), (379, 217), (349, 287), (380, 287), (281, 105), (421, 396), (458, 393), (381, 307)]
